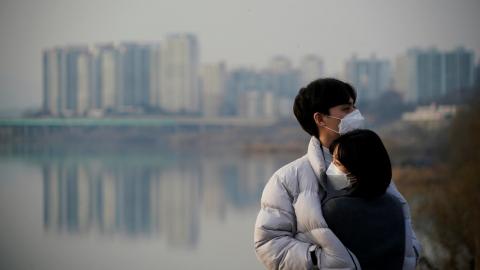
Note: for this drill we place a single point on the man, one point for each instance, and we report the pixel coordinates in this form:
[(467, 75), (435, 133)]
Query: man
[(290, 230)]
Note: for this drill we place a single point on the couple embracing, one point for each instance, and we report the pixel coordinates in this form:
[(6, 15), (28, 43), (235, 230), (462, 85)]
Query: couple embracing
[(336, 207)]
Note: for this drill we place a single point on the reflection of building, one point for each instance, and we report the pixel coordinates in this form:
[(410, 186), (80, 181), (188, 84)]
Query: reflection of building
[(244, 181), (133, 201), (213, 197), (106, 201), (84, 199), (68, 198), (234, 181), (257, 171), (138, 200), (179, 213), (75, 199), (51, 199)]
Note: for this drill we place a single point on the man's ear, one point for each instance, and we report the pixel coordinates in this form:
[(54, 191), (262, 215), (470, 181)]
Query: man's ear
[(318, 118)]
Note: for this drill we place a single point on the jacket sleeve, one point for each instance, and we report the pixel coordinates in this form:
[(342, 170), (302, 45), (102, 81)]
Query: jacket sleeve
[(275, 243), (413, 248)]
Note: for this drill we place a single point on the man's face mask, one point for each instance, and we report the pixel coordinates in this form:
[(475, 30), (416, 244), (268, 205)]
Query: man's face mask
[(351, 121)]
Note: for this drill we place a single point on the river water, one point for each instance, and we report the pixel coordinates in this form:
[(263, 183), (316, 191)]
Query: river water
[(147, 209), (143, 210)]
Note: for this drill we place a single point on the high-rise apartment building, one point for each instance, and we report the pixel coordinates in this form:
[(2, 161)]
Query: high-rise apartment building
[(69, 91), (405, 77), (135, 74), (180, 81), (68, 80), (459, 69), (213, 87), (370, 77), (311, 68), (429, 77), (52, 80), (238, 81), (424, 76), (128, 77), (283, 78), (108, 80), (81, 83), (155, 75)]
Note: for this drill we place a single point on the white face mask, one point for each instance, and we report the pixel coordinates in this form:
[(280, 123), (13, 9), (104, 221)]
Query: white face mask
[(351, 121), (337, 179)]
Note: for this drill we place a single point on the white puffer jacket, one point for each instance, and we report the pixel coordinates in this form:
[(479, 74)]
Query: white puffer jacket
[(290, 221)]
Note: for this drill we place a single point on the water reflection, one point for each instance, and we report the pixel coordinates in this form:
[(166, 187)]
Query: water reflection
[(167, 199)]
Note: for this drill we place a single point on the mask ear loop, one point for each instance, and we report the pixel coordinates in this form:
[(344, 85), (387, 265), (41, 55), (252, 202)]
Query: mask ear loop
[(323, 154), (321, 148), (324, 197)]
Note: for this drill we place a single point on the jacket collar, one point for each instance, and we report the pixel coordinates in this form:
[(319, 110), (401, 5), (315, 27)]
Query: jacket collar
[(315, 157)]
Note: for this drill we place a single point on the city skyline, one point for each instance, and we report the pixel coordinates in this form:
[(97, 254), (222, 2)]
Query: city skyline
[(239, 33), (167, 78)]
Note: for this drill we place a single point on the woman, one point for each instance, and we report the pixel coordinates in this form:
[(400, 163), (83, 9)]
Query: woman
[(366, 219)]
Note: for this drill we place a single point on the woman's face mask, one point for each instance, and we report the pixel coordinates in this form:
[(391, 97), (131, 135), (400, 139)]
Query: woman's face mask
[(338, 179), (351, 121)]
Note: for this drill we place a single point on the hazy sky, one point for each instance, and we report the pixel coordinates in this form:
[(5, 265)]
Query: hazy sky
[(242, 33)]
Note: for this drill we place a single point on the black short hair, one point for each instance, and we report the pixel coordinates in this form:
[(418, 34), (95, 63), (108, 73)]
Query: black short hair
[(319, 96), (363, 154)]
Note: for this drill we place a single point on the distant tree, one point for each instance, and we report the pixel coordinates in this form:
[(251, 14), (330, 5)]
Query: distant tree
[(388, 107), (459, 96), (456, 207)]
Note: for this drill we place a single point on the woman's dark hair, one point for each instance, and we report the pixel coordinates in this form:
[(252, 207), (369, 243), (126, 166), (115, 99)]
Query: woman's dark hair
[(363, 154), (319, 96)]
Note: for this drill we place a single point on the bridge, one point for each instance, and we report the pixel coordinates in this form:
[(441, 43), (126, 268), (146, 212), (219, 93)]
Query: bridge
[(139, 122)]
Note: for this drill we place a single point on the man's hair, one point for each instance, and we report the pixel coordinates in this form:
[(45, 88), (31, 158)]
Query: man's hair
[(319, 96), (363, 154)]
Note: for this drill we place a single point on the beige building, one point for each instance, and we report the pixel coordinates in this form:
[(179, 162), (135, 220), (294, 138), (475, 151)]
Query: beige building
[(179, 66), (213, 87), (311, 68)]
